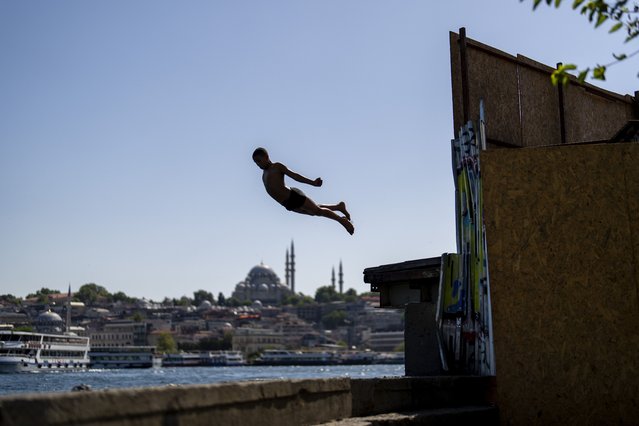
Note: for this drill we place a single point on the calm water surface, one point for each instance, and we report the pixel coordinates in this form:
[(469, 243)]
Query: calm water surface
[(111, 379)]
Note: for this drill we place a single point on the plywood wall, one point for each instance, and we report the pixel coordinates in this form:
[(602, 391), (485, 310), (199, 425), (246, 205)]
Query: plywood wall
[(522, 107), (562, 226)]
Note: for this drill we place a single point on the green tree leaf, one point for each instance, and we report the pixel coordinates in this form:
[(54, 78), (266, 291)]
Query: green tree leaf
[(600, 20), (583, 74), (616, 27), (577, 3), (599, 72), (622, 14)]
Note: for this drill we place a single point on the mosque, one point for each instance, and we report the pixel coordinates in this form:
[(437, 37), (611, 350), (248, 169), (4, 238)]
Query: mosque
[(262, 283)]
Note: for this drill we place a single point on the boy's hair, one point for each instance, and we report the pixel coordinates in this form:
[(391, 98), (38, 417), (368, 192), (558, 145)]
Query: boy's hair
[(260, 152)]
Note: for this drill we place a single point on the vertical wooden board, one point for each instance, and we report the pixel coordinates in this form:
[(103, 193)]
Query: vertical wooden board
[(561, 270), (494, 79), (631, 174), (592, 117), (540, 108), (455, 74)]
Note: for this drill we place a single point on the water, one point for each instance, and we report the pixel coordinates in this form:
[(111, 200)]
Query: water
[(110, 379)]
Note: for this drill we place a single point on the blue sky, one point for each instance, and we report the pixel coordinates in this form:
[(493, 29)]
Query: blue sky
[(127, 131)]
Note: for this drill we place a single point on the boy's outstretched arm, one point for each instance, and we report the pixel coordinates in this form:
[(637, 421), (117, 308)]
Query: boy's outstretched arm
[(302, 179)]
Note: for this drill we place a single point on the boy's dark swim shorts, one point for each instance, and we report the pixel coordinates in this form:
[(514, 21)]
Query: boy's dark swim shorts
[(295, 199)]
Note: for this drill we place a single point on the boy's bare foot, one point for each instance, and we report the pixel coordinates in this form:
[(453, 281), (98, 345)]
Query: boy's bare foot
[(347, 224), (342, 208)]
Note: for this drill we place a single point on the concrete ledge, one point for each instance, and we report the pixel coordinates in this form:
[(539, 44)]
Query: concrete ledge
[(266, 403), (437, 417), (375, 396), (294, 402)]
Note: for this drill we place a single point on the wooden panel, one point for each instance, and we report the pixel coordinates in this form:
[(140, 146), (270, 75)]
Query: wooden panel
[(631, 175), (562, 231), (592, 117), (540, 107), (522, 105), (455, 77), (495, 81)]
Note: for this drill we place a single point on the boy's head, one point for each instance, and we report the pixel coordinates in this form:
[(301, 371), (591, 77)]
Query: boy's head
[(260, 156)]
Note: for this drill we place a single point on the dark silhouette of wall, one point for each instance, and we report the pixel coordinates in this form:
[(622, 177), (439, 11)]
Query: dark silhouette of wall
[(562, 225)]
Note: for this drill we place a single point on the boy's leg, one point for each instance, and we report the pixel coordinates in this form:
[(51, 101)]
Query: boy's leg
[(313, 209), (340, 207)]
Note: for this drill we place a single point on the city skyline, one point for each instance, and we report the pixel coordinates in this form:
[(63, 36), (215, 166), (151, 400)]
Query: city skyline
[(289, 281), (128, 129)]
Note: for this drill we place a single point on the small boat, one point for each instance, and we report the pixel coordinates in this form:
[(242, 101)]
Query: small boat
[(124, 357), (226, 359), (284, 357), (358, 358), (183, 359), (22, 351), (390, 358)]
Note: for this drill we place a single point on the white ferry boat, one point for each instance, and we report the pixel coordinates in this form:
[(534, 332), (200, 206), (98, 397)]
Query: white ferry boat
[(204, 359), (124, 357), (226, 359), (22, 351), (183, 359), (283, 357)]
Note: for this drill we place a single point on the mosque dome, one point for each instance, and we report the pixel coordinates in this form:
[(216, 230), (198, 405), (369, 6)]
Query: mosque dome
[(261, 283), (205, 306), (49, 322), (262, 274), (48, 316)]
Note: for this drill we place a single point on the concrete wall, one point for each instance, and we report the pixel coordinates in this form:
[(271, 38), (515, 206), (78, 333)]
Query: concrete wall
[(268, 403), (562, 226), (283, 402)]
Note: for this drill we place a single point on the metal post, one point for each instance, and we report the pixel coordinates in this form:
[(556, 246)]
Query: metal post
[(562, 119), (464, 74)]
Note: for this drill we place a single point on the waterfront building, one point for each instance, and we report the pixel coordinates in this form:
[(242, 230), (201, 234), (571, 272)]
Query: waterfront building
[(251, 340), (16, 319), (120, 333), (293, 329), (311, 312), (385, 341), (381, 319)]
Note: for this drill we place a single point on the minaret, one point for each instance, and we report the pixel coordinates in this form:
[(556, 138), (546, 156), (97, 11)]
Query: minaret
[(341, 278), (292, 264), (286, 274), (69, 310), (333, 278)]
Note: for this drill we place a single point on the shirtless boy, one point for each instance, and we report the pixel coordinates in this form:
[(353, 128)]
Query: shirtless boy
[(292, 198)]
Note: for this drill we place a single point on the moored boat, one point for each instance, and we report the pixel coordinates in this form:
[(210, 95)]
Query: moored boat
[(284, 357), (22, 351), (390, 358), (358, 358), (226, 359), (124, 357), (183, 359)]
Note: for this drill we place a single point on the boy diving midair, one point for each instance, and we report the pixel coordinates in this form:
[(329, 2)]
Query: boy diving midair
[(292, 198)]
